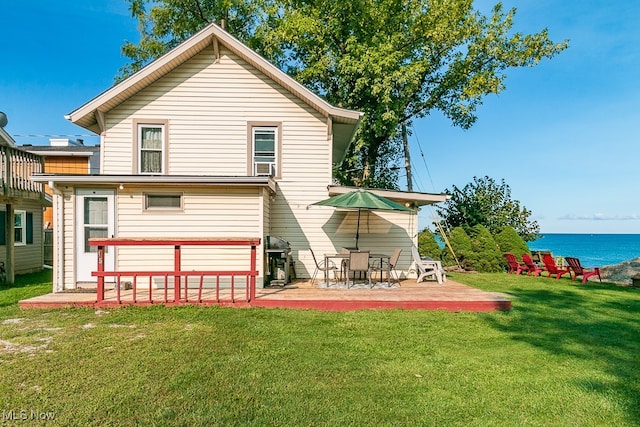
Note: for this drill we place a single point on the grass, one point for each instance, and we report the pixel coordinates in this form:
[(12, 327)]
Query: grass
[(566, 354)]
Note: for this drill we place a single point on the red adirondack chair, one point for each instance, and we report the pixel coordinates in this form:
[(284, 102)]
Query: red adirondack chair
[(579, 270), (552, 268), (532, 267), (515, 267)]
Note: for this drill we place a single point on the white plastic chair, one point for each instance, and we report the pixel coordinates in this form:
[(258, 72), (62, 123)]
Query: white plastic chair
[(428, 267)]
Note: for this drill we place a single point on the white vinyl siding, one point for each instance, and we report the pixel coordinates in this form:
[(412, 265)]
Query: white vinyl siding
[(205, 213), (207, 106)]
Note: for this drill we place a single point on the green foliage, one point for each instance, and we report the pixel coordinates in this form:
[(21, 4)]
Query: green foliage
[(395, 61), (486, 256), (484, 202), (165, 24), (462, 247), (509, 241), (428, 246)]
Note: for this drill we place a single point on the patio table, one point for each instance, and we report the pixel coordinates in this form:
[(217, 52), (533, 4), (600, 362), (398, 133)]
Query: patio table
[(345, 256)]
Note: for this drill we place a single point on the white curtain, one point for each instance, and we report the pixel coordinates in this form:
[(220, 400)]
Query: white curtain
[(151, 150)]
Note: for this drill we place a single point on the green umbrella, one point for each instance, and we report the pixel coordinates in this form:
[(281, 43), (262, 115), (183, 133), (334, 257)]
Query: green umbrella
[(362, 199)]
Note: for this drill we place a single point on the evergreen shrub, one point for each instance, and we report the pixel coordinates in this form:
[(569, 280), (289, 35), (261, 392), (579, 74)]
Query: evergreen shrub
[(508, 240), (486, 256), (428, 246), (461, 244)]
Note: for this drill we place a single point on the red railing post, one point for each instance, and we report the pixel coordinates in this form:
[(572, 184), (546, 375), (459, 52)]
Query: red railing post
[(252, 279), (100, 285), (176, 267)]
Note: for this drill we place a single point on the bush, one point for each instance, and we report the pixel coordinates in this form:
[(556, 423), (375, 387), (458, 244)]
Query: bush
[(461, 244), (486, 256), (508, 240), (428, 246)]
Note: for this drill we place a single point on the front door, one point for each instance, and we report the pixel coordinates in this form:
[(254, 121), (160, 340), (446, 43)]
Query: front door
[(94, 218)]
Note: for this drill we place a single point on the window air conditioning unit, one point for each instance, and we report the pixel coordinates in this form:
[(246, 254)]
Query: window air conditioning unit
[(265, 169)]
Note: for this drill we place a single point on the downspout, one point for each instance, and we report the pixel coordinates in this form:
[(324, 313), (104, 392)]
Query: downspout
[(58, 238)]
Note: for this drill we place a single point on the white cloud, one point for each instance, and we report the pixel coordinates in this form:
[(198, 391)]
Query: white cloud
[(600, 217)]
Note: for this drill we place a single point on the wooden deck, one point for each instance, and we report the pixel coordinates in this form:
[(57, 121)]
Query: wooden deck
[(450, 296)]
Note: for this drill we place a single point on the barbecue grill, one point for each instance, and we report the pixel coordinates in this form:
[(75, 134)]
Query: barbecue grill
[(279, 263)]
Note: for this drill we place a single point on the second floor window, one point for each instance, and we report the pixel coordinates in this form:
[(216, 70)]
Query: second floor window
[(151, 149), (265, 151)]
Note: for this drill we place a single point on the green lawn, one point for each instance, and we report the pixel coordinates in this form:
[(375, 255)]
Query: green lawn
[(566, 354)]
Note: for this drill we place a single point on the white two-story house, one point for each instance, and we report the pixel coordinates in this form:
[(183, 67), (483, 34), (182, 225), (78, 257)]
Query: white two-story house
[(211, 140)]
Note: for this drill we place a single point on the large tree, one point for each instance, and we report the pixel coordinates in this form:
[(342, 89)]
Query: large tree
[(395, 60), (487, 203)]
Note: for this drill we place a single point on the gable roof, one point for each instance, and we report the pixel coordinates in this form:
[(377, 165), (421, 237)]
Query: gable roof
[(89, 116)]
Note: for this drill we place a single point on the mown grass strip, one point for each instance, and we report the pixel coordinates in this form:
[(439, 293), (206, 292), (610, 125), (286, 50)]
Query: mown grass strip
[(566, 354)]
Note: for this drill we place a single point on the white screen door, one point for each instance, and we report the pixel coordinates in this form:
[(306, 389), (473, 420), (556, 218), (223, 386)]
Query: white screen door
[(94, 218)]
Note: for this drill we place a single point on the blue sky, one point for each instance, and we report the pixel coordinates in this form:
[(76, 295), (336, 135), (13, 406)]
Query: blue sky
[(563, 135)]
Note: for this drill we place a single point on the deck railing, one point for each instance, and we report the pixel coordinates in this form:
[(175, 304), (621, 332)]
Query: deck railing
[(16, 169), (180, 278)]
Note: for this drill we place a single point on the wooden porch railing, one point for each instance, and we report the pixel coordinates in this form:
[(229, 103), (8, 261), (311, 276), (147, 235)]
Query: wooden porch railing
[(16, 167), (180, 277)]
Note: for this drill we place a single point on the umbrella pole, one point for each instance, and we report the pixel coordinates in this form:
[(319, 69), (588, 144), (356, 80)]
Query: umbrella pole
[(358, 231)]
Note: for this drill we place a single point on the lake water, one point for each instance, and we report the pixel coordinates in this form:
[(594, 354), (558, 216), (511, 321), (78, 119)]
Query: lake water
[(592, 249)]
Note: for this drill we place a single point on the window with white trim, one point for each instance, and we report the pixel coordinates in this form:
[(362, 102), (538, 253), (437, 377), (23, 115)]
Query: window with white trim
[(265, 150), (151, 148), (153, 201), (20, 227)]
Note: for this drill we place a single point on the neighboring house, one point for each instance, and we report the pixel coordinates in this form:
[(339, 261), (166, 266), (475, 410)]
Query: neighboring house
[(211, 140), (65, 156), (21, 206)]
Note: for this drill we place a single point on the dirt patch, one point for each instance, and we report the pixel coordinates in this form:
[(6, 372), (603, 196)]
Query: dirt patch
[(13, 321), (8, 347)]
